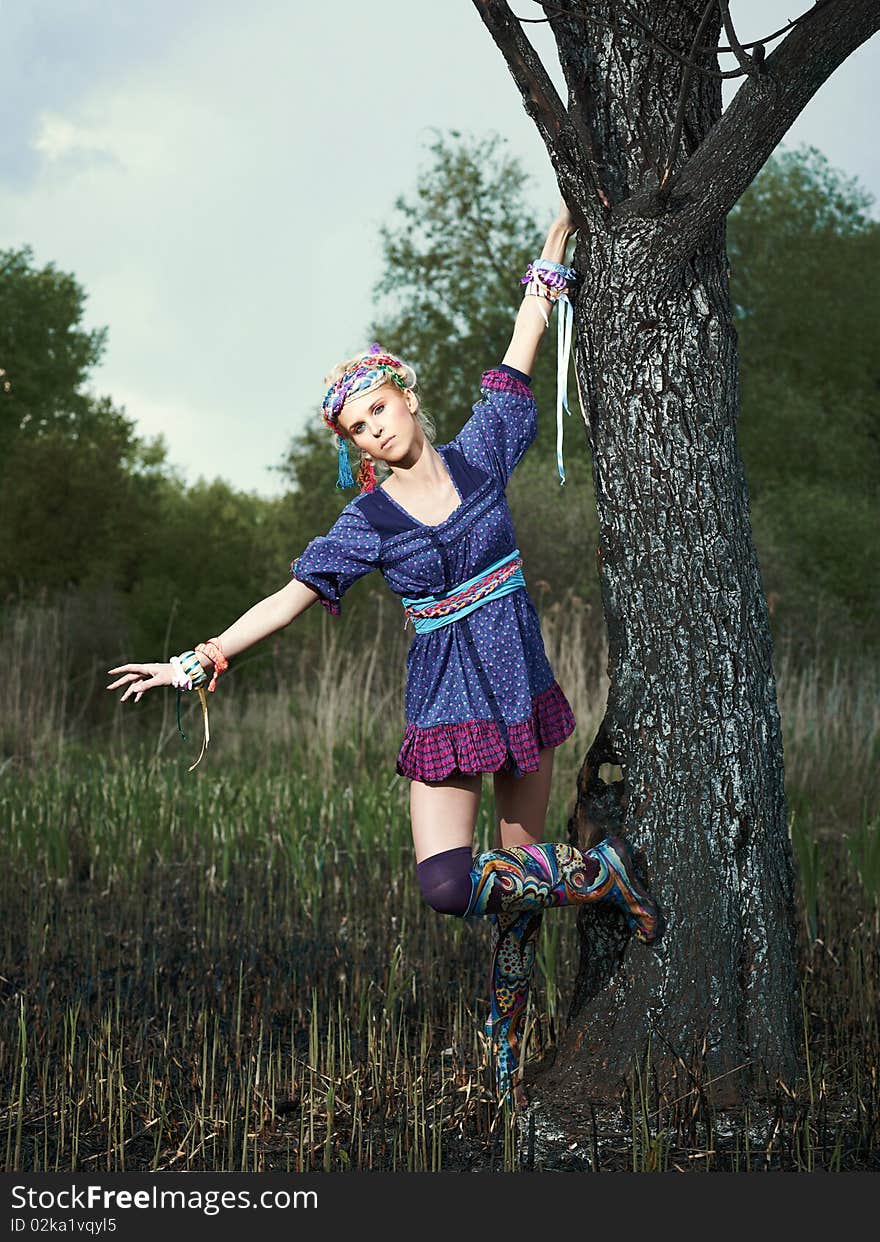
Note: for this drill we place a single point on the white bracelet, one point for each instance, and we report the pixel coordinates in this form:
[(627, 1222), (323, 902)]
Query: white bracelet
[(179, 677)]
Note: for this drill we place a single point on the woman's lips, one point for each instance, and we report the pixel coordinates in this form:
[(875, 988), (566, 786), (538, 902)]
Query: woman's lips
[(385, 443)]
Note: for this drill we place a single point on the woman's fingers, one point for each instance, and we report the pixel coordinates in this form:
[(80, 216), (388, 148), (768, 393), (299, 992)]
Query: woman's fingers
[(140, 676), (565, 215), (122, 680), (137, 688)]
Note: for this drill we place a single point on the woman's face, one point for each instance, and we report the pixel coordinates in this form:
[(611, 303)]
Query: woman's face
[(369, 422)]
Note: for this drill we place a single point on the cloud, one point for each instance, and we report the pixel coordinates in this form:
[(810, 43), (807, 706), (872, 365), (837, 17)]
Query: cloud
[(60, 141)]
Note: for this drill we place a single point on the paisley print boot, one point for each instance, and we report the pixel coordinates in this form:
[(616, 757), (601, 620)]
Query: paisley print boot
[(514, 940), (537, 877), (618, 882)]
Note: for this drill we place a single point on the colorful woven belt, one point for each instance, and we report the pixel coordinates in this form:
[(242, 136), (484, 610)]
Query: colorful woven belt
[(429, 612)]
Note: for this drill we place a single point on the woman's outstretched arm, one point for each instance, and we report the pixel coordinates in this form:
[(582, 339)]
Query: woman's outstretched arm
[(270, 614), (530, 320)]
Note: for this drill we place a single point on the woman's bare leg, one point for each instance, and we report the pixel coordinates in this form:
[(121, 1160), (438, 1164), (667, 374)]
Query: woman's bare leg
[(521, 804), (444, 813)]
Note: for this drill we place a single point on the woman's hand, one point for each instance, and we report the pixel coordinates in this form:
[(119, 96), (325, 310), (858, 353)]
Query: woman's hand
[(565, 218), (143, 677)]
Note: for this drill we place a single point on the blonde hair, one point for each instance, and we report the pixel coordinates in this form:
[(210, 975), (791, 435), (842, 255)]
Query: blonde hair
[(410, 382)]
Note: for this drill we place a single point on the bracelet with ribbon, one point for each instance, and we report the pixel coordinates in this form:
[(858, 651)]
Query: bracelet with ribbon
[(188, 674), (554, 281)]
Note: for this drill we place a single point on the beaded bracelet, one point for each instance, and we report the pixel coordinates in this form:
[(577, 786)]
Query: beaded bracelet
[(554, 281)]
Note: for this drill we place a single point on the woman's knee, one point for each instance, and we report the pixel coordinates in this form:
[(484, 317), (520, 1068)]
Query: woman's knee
[(445, 880)]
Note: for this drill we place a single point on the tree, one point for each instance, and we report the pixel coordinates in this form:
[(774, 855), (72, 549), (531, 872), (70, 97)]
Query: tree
[(448, 265), (651, 168), (808, 349), (45, 352), (807, 309), (76, 482)]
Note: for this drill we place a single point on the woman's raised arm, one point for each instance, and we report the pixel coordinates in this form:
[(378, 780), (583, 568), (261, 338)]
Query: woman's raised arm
[(533, 316), (264, 618)]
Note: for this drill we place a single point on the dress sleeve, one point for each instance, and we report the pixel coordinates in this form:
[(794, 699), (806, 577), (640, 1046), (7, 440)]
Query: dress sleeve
[(502, 425), (333, 562)]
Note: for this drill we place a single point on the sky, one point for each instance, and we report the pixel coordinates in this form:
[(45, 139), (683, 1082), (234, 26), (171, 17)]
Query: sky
[(216, 175)]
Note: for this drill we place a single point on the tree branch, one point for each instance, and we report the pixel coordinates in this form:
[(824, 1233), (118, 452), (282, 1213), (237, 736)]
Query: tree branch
[(682, 101), (652, 37), (542, 103), (744, 60), (699, 196), (580, 105)]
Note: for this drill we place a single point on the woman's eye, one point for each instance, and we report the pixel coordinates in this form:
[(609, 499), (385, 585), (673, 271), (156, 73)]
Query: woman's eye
[(356, 430)]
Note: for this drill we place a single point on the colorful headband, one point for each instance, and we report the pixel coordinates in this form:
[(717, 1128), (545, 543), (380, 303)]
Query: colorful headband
[(367, 373)]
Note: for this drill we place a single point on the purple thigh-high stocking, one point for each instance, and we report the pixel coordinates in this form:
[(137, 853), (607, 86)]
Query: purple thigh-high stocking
[(445, 881)]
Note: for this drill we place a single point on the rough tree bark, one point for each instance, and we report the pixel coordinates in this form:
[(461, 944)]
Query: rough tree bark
[(691, 717)]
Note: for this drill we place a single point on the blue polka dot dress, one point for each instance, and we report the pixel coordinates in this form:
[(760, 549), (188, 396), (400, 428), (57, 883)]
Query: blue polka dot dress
[(480, 693)]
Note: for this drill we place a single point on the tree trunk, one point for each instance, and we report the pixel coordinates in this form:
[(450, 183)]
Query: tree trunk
[(691, 716)]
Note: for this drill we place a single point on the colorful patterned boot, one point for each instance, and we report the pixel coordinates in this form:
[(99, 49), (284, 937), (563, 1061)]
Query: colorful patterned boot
[(514, 939), (619, 883), (536, 877)]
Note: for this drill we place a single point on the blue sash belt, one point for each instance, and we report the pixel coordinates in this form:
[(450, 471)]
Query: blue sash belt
[(429, 612)]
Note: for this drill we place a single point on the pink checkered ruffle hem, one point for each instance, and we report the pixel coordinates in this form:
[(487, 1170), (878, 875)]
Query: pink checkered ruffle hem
[(432, 753)]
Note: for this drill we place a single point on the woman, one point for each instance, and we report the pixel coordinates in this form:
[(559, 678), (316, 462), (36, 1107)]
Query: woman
[(481, 695)]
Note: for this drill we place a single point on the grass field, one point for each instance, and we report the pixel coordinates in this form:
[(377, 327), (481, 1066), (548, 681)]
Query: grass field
[(234, 969)]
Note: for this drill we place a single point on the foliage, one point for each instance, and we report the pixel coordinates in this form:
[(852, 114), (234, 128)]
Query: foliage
[(74, 500), (44, 350), (88, 507), (452, 262), (803, 253)]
